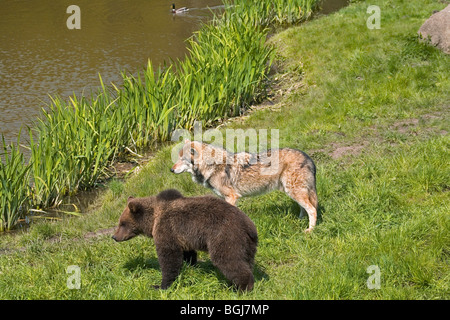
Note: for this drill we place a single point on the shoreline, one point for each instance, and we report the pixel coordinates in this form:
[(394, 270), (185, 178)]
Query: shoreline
[(74, 142)]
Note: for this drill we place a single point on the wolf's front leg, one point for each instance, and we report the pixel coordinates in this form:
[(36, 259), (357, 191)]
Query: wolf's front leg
[(232, 198)]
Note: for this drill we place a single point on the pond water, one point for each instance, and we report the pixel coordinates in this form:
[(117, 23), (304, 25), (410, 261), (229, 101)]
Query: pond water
[(330, 6), (39, 55)]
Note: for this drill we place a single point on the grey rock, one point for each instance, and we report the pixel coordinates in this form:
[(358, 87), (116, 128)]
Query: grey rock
[(437, 30)]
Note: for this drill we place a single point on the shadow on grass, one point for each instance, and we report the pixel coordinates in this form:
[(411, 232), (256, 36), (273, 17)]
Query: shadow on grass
[(140, 263), (290, 207)]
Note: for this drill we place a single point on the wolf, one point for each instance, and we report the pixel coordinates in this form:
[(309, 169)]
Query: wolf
[(234, 175)]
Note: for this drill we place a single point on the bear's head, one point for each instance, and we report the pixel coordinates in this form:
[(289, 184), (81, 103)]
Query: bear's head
[(134, 218), (138, 216)]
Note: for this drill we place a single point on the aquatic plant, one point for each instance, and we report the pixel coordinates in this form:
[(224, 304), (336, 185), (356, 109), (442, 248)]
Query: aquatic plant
[(75, 141), (148, 101), (14, 187), (271, 12)]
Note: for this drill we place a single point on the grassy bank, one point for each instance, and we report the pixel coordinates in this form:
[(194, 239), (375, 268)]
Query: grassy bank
[(74, 142), (371, 107)]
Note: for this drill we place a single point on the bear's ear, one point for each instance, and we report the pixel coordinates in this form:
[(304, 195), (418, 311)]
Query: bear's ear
[(129, 199), (169, 194), (135, 207)]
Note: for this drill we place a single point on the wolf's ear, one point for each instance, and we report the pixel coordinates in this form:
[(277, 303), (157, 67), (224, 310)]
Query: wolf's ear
[(187, 141)]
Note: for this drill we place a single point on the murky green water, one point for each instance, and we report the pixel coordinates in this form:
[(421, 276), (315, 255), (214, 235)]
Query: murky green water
[(330, 6), (39, 55)]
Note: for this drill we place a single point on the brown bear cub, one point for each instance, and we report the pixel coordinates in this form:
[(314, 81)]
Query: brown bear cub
[(181, 225)]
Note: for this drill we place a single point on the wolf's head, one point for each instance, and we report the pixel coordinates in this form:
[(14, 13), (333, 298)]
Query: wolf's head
[(188, 156)]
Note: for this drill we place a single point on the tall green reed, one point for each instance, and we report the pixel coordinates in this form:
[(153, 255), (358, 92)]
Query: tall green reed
[(14, 185), (224, 73), (75, 142), (272, 12), (148, 100)]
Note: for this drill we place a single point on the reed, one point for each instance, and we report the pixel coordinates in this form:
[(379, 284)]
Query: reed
[(14, 190), (225, 71), (75, 142), (272, 12), (148, 101)]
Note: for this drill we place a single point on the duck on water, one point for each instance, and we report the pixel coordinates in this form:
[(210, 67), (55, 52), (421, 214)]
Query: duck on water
[(180, 10)]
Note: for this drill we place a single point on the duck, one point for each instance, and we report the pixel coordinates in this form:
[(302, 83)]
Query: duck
[(180, 10)]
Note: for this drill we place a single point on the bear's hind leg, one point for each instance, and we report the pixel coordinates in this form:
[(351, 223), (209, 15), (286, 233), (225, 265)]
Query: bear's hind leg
[(238, 272), (242, 277)]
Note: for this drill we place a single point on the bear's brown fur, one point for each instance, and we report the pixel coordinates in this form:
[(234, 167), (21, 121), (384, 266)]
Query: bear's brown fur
[(181, 225)]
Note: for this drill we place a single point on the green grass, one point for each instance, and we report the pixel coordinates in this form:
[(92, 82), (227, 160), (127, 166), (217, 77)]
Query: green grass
[(383, 202)]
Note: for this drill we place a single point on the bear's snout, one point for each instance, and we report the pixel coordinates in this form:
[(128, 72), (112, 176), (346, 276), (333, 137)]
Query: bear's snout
[(123, 235), (119, 238)]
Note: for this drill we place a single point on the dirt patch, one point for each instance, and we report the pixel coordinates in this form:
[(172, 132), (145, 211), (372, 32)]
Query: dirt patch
[(351, 150), (121, 169), (420, 126), (58, 239), (404, 126), (7, 250), (98, 233), (338, 150)]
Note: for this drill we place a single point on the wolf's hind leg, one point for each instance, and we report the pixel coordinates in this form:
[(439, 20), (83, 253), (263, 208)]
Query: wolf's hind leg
[(312, 215), (303, 198)]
